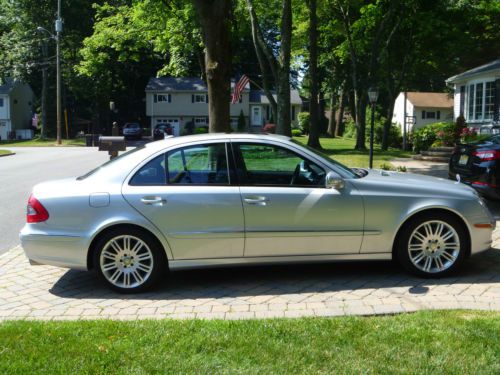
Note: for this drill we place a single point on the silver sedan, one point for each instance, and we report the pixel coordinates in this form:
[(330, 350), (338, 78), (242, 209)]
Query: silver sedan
[(236, 199)]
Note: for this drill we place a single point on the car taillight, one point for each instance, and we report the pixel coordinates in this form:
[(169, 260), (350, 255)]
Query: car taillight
[(35, 212), (487, 155)]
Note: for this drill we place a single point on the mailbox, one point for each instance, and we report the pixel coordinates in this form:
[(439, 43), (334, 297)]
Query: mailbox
[(112, 144)]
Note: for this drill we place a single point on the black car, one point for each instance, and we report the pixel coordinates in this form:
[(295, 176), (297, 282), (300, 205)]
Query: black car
[(161, 130), (478, 164)]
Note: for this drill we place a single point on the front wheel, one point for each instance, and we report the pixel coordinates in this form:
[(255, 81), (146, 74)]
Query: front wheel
[(432, 245), (129, 261)]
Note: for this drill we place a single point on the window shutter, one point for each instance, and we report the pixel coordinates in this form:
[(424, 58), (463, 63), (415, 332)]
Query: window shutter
[(206, 98), (155, 98), (293, 113), (462, 101), (170, 98), (496, 101), (207, 121), (192, 98), (423, 114), (438, 115)]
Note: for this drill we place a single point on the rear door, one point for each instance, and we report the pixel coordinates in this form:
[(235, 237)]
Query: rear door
[(188, 194)]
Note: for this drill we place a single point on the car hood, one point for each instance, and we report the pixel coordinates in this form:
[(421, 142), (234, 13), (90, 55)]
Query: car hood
[(402, 183)]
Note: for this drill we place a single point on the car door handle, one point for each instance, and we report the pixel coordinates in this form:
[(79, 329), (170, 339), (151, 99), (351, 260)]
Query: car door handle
[(153, 200), (256, 200)]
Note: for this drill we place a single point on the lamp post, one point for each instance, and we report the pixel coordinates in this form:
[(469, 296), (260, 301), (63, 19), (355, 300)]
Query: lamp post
[(372, 97)]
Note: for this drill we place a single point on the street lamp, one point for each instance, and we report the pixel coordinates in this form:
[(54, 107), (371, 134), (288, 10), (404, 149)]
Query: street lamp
[(372, 97), (57, 38)]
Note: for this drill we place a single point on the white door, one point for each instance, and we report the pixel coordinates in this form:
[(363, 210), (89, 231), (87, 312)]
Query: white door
[(256, 116)]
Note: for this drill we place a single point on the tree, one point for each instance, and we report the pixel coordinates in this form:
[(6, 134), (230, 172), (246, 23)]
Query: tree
[(314, 130), (279, 66), (214, 17)]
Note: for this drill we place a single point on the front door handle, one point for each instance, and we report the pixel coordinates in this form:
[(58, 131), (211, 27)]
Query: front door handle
[(153, 200), (256, 200)]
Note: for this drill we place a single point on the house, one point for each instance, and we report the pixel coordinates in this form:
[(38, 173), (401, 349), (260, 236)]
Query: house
[(477, 95), (422, 108), (16, 109), (182, 101)]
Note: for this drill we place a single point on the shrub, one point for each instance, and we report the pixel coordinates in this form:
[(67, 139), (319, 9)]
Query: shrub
[(269, 128), (350, 129), (296, 132), (201, 130), (395, 136), (437, 134), (304, 121)]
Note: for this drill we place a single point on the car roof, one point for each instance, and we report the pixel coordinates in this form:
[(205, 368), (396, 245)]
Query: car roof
[(173, 141)]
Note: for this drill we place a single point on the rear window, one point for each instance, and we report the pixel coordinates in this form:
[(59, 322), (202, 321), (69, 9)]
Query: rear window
[(132, 126)]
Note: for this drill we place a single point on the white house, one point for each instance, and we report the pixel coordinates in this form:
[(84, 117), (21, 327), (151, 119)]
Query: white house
[(422, 108), (477, 95), (16, 107), (179, 101)]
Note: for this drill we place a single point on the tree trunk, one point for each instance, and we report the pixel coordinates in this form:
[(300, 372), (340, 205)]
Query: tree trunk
[(360, 120), (332, 128), (280, 68), (313, 140), (284, 125), (215, 17), (339, 131), (388, 122)]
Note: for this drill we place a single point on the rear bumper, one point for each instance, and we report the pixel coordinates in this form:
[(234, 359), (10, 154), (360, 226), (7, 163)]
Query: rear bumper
[(55, 250)]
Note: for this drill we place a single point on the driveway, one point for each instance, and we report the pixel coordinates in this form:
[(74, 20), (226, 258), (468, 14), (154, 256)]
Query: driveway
[(51, 293)]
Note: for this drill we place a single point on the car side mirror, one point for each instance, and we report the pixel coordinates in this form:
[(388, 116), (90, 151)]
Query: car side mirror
[(334, 181)]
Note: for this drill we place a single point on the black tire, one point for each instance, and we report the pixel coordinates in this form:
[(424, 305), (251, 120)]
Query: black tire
[(129, 260), (432, 245)]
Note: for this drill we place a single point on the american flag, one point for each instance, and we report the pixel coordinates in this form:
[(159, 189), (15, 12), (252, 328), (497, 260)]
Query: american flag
[(238, 88)]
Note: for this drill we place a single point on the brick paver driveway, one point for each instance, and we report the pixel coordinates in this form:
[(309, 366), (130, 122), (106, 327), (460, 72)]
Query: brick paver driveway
[(45, 292)]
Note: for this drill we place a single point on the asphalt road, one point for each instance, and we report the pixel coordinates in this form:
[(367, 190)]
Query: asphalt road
[(31, 165)]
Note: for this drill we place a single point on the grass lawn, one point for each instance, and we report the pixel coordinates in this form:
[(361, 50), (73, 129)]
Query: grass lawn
[(342, 150), (5, 152), (48, 142), (432, 342)]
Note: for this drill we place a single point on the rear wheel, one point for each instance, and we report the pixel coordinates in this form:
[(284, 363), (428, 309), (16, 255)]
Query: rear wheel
[(129, 260), (432, 245)]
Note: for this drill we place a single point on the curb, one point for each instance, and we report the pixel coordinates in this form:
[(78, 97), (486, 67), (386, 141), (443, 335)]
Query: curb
[(2, 155)]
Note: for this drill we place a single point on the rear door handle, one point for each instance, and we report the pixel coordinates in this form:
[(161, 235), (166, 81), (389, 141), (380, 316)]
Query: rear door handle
[(256, 200), (153, 200)]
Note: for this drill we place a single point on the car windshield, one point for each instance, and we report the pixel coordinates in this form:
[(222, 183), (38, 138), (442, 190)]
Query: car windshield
[(124, 155), (348, 171), (131, 126)]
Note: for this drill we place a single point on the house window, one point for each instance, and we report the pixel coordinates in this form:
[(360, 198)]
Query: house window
[(200, 121), (430, 114), (199, 98), (480, 101), (163, 98), (489, 100)]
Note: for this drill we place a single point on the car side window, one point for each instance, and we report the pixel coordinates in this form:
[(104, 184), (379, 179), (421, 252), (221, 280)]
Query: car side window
[(264, 164), (151, 174), (198, 165)]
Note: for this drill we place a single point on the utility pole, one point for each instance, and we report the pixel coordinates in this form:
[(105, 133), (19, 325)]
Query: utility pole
[(44, 91), (58, 28)]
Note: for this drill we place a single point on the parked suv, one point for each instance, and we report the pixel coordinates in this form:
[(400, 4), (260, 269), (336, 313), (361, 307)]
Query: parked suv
[(132, 130)]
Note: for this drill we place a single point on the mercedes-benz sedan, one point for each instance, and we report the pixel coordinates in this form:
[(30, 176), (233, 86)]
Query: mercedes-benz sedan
[(236, 199)]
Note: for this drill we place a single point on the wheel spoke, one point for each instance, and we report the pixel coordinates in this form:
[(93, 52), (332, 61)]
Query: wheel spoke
[(115, 276), (144, 256), (144, 267), (439, 263), (109, 256), (419, 257), (116, 247), (109, 266), (126, 243), (449, 257), (138, 245), (428, 229), (428, 264), (415, 247), (447, 236), (420, 236), (138, 277), (126, 279)]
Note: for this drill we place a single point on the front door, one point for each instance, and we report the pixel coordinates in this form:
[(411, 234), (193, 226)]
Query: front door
[(187, 194), (287, 209), (256, 116)]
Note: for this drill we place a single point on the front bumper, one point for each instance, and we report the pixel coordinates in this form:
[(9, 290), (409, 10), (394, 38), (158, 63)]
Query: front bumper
[(55, 250)]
